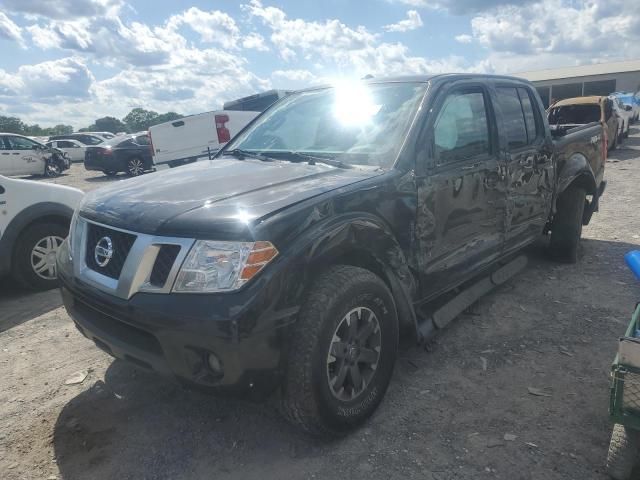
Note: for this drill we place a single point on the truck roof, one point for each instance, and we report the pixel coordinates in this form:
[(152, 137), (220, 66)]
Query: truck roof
[(592, 100)]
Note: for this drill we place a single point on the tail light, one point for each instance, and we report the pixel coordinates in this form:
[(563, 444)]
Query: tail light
[(605, 145), (153, 150), (223, 132), (106, 151)]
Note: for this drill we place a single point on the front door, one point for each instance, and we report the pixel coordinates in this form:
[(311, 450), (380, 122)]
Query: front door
[(27, 157), (462, 197), (529, 153), (6, 160)]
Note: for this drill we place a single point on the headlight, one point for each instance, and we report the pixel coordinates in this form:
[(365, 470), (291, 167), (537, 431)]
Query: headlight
[(72, 232), (214, 266)]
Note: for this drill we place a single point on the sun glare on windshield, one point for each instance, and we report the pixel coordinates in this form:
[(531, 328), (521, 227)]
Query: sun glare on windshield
[(354, 105)]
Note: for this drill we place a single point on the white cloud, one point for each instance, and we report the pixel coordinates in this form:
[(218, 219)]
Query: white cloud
[(255, 41), (9, 30), (335, 46), (598, 29), (412, 22), (464, 38), (461, 7), (63, 9), (214, 26)]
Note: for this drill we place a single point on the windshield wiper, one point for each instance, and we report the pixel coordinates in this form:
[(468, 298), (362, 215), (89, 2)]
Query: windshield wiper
[(313, 159), (242, 154)]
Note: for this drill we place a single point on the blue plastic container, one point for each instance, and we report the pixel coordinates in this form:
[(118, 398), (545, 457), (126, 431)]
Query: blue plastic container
[(633, 260)]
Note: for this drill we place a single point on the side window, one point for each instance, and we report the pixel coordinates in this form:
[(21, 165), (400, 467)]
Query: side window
[(512, 117), (529, 115), (461, 129), (608, 109), (21, 143), (65, 144), (3, 144), (142, 140)]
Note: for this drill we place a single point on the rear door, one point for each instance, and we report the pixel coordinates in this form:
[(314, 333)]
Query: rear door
[(26, 156), (462, 197), (528, 156)]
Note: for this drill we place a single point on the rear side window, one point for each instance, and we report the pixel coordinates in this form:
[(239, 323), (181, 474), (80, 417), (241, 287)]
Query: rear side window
[(529, 115), (574, 114), (142, 140), (21, 143), (63, 144), (461, 129), (512, 117)]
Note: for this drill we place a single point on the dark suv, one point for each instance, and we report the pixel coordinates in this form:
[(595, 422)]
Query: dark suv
[(338, 217)]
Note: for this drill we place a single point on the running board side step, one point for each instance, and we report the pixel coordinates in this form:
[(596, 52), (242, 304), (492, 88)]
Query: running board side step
[(441, 317)]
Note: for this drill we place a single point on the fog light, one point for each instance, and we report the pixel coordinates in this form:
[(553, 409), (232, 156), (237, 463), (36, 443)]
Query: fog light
[(214, 363)]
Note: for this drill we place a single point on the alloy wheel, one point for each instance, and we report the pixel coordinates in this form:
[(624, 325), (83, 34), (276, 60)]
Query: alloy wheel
[(43, 257), (354, 353), (135, 167)]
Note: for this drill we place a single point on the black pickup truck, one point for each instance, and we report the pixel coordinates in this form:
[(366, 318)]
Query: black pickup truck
[(338, 218)]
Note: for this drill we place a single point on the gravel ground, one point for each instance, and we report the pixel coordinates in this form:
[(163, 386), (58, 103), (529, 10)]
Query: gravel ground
[(553, 328)]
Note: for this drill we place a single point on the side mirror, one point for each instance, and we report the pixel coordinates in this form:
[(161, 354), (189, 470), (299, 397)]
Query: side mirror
[(627, 108)]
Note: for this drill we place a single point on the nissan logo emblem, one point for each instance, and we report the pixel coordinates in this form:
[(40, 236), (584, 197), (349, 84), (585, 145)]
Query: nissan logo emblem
[(103, 251)]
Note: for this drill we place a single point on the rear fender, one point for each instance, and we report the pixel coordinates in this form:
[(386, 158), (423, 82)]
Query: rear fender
[(576, 170)]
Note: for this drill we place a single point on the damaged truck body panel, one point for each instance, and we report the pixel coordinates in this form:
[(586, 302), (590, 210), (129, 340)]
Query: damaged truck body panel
[(332, 221)]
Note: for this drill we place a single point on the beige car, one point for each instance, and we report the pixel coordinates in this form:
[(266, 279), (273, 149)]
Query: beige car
[(575, 112)]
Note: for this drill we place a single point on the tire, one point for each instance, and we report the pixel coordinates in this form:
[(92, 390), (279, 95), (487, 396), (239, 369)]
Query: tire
[(110, 173), (320, 355), (626, 133), (52, 169), (135, 167), (33, 261), (623, 452), (566, 227)]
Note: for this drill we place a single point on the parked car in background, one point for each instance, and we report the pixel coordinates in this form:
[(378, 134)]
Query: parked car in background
[(125, 153), (632, 99), (20, 155), (338, 218), (84, 138), (188, 139), (575, 112), (35, 221), (72, 148), (624, 114), (105, 135)]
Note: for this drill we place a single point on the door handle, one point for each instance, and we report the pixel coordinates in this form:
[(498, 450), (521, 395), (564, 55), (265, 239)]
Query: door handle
[(469, 167)]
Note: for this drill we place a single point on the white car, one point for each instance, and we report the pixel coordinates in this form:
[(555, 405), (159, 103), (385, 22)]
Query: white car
[(624, 114), (73, 148), (20, 155), (195, 137), (34, 221)]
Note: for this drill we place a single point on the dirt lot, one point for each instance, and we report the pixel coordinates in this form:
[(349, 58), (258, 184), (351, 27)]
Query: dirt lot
[(553, 328)]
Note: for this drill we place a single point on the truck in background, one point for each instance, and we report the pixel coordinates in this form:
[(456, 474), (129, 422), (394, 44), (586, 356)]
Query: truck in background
[(194, 137)]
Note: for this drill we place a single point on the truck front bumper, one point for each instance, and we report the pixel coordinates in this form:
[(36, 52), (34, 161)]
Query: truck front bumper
[(224, 342)]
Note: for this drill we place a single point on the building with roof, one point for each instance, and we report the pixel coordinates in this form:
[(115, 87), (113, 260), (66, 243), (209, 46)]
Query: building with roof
[(597, 79)]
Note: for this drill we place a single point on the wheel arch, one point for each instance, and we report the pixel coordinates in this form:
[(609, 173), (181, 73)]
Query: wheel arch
[(39, 212), (365, 242)]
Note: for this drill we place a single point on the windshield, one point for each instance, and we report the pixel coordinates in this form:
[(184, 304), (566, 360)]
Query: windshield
[(574, 114), (360, 124)]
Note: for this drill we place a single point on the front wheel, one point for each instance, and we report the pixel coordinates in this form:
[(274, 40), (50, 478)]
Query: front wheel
[(52, 169), (623, 452), (342, 352), (135, 167), (566, 228), (34, 259)]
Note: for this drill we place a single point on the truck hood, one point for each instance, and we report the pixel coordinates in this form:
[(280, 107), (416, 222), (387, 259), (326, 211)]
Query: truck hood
[(212, 199)]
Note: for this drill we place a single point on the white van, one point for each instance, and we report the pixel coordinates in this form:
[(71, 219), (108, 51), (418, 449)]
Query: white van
[(195, 137)]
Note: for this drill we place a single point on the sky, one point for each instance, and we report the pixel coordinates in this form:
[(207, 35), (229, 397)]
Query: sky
[(72, 61)]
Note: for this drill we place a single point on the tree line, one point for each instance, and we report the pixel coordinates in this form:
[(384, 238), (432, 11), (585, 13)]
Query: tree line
[(136, 120)]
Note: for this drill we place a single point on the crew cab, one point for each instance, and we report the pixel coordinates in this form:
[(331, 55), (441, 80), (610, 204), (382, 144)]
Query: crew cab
[(34, 220), (340, 216)]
